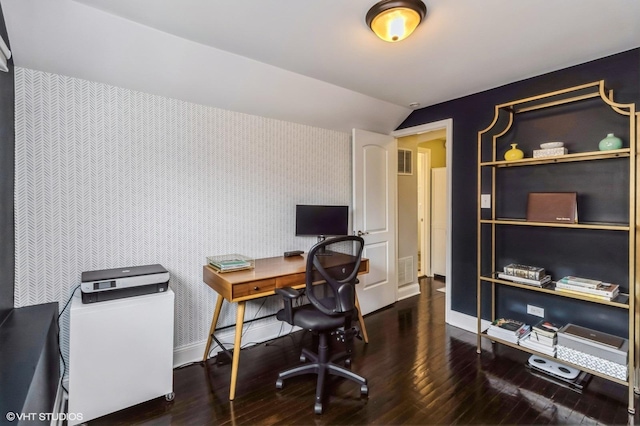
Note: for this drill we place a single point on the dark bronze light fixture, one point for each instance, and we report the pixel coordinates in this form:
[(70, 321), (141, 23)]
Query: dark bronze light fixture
[(395, 20)]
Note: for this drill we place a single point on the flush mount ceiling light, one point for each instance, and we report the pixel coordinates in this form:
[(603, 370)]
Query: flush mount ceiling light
[(395, 20)]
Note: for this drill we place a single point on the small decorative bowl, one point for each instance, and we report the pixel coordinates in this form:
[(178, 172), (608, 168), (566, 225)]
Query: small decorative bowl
[(549, 145)]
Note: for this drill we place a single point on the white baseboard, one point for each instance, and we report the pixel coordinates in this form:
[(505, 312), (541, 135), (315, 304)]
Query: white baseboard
[(254, 333), (466, 322), (409, 290)]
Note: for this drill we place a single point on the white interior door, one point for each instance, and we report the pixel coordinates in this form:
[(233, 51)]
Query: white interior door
[(375, 163), (439, 221)]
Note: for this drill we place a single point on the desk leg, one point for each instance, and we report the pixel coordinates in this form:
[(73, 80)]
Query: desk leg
[(361, 321), (236, 349), (214, 322)]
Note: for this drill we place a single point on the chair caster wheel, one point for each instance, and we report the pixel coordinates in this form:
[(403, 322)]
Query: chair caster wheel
[(364, 390), (279, 383), (170, 396), (317, 408)]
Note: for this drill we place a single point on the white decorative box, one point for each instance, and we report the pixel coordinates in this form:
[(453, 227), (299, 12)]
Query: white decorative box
[(549, 152), (601, 345), (594, 363)]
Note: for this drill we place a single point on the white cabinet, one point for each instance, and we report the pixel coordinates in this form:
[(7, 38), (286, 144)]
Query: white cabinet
[(120, 353)]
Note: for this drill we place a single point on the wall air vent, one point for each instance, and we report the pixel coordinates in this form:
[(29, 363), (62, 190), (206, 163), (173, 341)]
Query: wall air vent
[(405, 270), (405, 162)]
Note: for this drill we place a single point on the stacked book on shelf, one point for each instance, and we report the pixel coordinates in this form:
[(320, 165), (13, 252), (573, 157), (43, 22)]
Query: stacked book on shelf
[(230, 262), (543, 338), (524, 274), (508, 330), (588, 287)]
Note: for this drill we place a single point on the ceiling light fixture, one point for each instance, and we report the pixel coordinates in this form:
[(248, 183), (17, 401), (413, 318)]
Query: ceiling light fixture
[(395, 20)]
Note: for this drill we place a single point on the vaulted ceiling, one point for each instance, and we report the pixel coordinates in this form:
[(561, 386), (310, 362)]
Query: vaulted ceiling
[(313, 61)]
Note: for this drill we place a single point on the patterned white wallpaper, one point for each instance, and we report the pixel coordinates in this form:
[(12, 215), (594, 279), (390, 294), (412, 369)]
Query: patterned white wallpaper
[(107, 177)]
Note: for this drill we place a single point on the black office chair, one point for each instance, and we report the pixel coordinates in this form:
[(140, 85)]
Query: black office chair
[(330, 315)]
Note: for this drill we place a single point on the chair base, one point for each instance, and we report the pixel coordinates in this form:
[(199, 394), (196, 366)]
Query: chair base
[(322, 367)]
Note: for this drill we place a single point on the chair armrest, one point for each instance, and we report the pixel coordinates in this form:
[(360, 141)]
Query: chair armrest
[(289, 293), (288, 296)]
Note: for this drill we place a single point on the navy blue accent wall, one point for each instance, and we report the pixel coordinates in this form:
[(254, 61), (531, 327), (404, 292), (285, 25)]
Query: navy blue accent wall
[(473, 113), (7, 154)]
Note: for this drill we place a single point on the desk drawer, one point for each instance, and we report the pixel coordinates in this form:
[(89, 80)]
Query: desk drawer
[(298, 280), (256, 287), (291, 280)]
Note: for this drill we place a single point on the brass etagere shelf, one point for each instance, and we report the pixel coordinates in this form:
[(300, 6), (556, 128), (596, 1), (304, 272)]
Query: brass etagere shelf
[(489, 224), (523, 222), (567, 158), (579, 367), (622, 301)]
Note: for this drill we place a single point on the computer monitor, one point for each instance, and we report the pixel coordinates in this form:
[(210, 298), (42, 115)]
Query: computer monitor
[(322, 221)]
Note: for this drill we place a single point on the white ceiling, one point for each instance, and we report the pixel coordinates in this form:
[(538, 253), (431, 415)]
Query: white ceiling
[(313, 61)]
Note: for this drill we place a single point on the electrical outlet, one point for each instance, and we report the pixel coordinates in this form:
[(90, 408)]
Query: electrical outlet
[(485, 201), (535, 310)]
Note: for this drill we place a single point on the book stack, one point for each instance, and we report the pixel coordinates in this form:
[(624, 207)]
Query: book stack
[(524, 274), (229, 263), (508, 330), (588, 287), (543, 338)]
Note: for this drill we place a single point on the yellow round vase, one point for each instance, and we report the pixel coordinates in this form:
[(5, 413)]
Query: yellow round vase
[(514, 153)]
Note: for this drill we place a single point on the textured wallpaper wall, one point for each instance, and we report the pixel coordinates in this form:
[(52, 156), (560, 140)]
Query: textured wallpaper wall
[(107, 177)]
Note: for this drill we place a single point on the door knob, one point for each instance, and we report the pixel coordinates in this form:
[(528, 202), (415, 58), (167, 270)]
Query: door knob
[(360, 233)]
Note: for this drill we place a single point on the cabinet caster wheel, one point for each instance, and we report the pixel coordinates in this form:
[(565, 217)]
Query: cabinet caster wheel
[(317, 408), (364, 390), (170, 396), (279, 383)]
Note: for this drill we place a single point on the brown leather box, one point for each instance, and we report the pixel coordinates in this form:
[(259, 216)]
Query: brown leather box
[(559, 207)]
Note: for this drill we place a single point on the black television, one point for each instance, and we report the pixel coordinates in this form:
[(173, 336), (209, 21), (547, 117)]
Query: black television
[(322, 221)]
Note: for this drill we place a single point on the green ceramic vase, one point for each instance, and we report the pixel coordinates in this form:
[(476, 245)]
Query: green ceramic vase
[(514, 153), (610, 142)]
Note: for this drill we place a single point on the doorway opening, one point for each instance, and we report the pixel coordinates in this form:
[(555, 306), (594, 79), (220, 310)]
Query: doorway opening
[(435, 145), (432, 196)]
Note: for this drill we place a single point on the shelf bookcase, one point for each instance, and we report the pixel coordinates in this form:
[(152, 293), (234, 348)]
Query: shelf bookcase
[(610, 214)]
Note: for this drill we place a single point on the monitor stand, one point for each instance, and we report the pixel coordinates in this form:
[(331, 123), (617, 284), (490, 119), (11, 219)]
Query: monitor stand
[(323, 251)]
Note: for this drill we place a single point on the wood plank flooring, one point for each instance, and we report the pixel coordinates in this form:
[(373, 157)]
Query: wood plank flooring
[(420, 371)]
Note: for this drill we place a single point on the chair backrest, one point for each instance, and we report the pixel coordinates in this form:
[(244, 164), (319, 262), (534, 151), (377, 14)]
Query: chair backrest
[(338, 269)]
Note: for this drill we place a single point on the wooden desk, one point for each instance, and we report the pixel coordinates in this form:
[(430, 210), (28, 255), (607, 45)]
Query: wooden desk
[(267, 275)]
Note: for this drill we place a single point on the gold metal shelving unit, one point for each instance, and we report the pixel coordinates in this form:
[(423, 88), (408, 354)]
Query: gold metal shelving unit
[(504, 117)]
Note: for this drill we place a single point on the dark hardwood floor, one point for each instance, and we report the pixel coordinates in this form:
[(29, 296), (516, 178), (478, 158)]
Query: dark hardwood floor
[(420, 372)]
